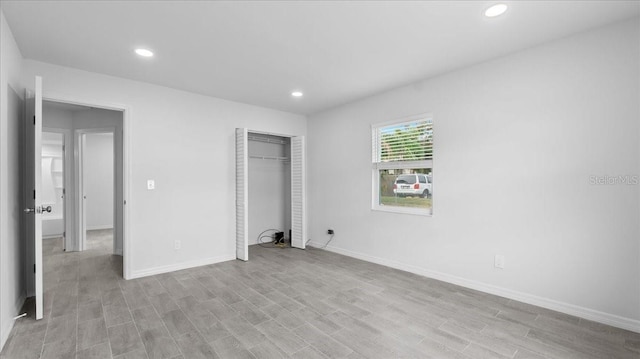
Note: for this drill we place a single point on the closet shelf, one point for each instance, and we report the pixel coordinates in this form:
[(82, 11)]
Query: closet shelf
[(270, 158), (266, 139)]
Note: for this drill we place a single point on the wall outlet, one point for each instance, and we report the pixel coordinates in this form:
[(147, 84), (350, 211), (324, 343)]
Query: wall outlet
[(151, 184), (329, 231), (176, 244), (499, 261)]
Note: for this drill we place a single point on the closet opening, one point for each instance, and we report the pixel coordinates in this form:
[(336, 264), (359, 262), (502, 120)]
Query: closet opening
[(270, 191)]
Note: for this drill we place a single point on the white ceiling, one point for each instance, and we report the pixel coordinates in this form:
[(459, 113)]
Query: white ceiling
[(258, 52)]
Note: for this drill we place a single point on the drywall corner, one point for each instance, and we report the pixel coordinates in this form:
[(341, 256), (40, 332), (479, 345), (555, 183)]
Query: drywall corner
[(11, 251)]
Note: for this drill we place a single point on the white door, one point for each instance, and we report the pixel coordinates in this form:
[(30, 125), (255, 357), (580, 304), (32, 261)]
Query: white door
[(242, 194), (33, 184), (298, 198)]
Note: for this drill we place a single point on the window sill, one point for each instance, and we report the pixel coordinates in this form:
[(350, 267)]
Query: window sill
[(404, 210)]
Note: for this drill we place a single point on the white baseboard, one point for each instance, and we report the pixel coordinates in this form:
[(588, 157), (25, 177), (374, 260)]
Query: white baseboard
[(95, 228), (9, 322), (181, 266), (567, 308)]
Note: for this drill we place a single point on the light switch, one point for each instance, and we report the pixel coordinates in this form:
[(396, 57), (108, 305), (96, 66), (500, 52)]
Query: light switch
[(151, 184)]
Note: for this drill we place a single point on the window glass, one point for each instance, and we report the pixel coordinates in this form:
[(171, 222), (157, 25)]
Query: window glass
[(403, 167)]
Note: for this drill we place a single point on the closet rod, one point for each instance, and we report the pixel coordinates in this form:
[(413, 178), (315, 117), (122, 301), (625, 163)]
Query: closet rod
[(270, 158), (267, 140)]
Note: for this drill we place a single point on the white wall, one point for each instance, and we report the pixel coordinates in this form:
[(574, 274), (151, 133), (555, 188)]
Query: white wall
[(12, 290), (98, 180), (516, 141), (183, 141)]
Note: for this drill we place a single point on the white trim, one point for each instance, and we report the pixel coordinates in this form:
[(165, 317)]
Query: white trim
[(39, 270), (126, 170), (180, 266), (97, 228), (78, 209), (298, 192), (567, 308), (402, 210), (127, 259), (242, 194), (269, 133)]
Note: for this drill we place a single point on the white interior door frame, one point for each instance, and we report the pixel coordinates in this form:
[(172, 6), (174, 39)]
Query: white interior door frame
[(67, 156), (126, 164), (242, 194), (298, 193), (81, 206), (32, 192)]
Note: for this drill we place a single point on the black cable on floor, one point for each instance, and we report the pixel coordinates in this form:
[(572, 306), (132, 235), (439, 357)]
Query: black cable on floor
[(266, 244)]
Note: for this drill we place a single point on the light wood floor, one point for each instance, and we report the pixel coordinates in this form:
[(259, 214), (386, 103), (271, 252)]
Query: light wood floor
[(289, 303)]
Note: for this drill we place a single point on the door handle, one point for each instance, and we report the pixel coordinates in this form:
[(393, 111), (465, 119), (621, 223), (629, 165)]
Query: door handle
[(40, 209)]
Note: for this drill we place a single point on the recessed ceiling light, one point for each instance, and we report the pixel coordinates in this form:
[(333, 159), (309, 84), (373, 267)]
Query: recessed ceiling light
[(144, 52), (495, 10), (296, 94)]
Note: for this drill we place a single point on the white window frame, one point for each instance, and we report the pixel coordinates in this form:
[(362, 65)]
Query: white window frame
[(378, 166)]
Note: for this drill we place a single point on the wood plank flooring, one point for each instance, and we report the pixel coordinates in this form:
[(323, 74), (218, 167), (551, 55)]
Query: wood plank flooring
[(288, 303)]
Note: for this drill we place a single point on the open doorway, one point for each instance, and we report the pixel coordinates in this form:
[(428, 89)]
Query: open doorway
[(96, 184), (90, 210)]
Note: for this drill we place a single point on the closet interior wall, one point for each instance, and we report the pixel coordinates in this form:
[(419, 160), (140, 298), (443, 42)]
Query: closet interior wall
[(269, 185)]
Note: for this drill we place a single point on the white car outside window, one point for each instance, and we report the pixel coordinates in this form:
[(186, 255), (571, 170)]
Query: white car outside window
[(416, 184)]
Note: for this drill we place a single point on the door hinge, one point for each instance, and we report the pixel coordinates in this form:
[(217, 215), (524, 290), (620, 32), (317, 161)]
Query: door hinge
[(34, 268), (125, 201), (64, 234), (34, 194), (34, 119)]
